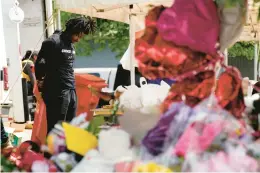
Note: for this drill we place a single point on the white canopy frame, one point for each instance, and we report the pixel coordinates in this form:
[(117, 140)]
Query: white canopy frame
[(132, 49), (132, 12)]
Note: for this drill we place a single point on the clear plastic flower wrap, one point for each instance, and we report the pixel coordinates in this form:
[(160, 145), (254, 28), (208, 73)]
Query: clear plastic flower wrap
[(154, 139), (203, 130), (210, 125), (234, 159), (141, 107)]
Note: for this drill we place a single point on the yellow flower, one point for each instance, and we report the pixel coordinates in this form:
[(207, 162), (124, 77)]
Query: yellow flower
[(50, 142), (238, 132), (151, 167)]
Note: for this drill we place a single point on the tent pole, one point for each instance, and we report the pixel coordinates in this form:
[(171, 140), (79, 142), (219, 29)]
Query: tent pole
[(226, 56), (58, 20), (49, 13), (255, 61), (132, 48)]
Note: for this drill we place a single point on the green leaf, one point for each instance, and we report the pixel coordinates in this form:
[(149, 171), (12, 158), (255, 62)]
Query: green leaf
[(111, 34), (242, 49)]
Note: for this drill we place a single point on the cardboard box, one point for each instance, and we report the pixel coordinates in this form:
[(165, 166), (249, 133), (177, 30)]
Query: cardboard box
[(105, 112), (7, 124), (4, 116), (18, 127), (29, 125)]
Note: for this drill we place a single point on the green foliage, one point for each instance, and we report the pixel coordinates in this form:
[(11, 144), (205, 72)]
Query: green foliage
[(242, 49), (115, 36), (7, 166), (111, 34), (230, 3)]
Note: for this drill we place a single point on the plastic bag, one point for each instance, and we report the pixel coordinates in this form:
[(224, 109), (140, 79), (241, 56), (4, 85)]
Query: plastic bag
[(155, 138), (234, 160), (232, 21), (39, 131), (168, 132), (209, 122)]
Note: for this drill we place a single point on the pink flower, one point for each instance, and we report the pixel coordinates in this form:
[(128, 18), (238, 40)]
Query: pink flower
[(192, 140)]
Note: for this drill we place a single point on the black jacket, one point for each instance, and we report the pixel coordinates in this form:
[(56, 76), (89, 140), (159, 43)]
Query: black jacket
[(55, 63)]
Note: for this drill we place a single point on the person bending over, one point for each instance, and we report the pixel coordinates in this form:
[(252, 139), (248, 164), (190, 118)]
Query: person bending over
[(54, 70)]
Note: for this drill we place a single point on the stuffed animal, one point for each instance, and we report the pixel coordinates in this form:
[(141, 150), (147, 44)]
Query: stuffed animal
[(146, 99)]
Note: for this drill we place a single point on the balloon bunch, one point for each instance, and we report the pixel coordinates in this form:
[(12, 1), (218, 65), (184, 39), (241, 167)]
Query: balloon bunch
[(164, 59), (183, 43)]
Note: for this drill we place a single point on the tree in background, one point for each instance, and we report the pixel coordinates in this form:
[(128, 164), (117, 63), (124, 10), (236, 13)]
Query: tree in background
[(242, 49), (109, 34), (115, 36)]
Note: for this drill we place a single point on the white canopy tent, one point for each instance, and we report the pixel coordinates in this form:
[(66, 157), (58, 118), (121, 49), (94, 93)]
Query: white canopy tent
[(117, 10), (132, 12)]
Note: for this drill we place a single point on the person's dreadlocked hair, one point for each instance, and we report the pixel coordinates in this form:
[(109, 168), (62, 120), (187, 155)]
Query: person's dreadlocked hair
[(81, 24)]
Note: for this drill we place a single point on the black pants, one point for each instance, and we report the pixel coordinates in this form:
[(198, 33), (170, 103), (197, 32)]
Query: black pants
[(60, 106), (29, 89), (4, 137)]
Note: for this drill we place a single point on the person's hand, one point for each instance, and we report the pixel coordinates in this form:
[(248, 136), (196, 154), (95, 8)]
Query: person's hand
[(119, 91), (103, 95), (40, 84), (38, 96)]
